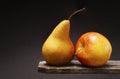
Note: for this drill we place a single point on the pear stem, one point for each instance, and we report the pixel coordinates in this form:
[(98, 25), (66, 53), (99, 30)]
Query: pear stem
[(78, 11)]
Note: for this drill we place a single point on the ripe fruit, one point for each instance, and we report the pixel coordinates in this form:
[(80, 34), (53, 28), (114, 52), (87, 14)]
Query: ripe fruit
[(58, 49), (93, 49)]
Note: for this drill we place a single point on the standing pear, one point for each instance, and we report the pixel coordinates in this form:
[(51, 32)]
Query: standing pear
[(58, 49)]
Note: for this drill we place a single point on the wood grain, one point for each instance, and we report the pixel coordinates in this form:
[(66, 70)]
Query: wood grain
[(75, 67)]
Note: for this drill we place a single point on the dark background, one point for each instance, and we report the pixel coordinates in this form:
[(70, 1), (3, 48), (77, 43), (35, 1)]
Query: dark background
[(26, 24)]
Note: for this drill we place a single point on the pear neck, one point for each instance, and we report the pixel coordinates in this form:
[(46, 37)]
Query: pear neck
[(62, 30)]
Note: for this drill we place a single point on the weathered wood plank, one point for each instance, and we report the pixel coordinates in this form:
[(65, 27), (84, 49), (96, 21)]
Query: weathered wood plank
[(75, 67)]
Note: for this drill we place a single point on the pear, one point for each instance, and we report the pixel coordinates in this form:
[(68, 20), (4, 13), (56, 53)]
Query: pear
[(58, 48)]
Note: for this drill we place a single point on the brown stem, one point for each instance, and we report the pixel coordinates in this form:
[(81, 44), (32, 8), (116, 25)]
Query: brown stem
[(78, 11)]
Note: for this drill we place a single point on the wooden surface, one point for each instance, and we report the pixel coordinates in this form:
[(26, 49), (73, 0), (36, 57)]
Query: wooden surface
[(75, 67)]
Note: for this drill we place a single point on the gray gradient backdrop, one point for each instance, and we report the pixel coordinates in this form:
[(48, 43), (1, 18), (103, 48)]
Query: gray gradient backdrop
[(25, 25)]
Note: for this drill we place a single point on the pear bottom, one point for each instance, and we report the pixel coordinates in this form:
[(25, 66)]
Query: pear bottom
[(58, 55)]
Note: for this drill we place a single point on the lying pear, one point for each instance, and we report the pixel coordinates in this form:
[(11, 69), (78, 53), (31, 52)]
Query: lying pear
[(58, 49)]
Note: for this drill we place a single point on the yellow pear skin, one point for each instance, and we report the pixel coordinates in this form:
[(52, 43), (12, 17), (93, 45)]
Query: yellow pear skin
[(58, 49)]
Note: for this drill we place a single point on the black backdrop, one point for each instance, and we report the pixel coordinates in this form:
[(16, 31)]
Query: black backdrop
[(26, 24)]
